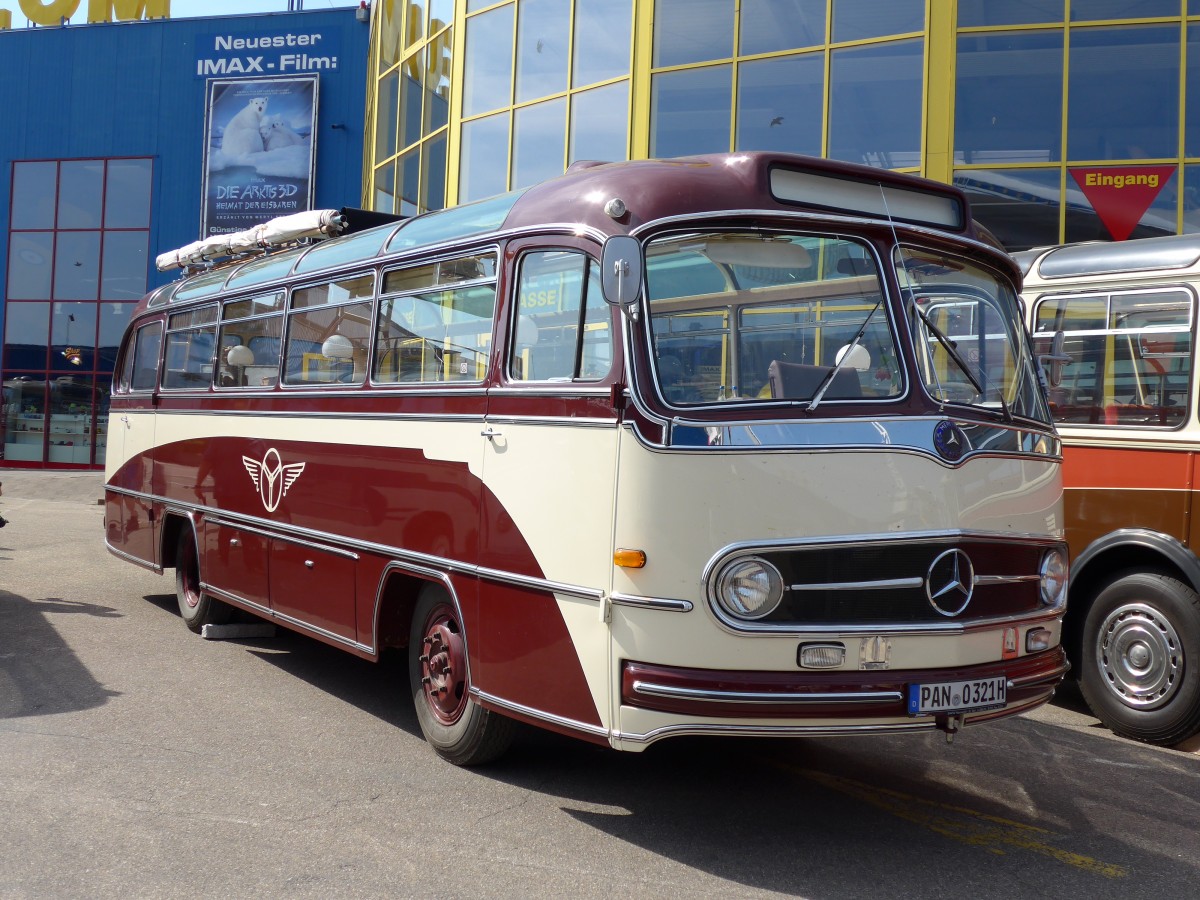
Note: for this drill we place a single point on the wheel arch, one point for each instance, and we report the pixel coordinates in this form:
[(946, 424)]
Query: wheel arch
[(1122, 551), (400, 585), (174, 522)]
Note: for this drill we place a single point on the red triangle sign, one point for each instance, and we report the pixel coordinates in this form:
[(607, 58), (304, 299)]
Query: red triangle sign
[(1122, 194)]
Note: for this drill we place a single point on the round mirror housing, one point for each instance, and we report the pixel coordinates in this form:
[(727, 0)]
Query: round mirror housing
[(337, 346)]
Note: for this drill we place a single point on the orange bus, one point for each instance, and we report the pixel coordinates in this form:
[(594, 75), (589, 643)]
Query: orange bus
[(1125, 403)]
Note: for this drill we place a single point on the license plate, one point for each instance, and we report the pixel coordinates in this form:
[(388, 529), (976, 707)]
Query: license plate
[(956, 696)]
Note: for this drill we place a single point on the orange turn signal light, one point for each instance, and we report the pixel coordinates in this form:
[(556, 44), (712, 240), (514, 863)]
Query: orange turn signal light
[(630, 559)]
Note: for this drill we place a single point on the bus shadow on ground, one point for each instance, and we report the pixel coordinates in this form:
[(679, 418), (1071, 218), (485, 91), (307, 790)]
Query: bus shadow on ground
[(858, 817), (379, 689), (39, 673)]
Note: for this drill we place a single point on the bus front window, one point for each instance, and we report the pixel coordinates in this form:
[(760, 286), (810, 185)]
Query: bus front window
[(759, 317), (971, 348)]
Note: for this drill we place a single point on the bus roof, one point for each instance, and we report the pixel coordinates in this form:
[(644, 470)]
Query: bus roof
[(647, 190), (1175, 251)]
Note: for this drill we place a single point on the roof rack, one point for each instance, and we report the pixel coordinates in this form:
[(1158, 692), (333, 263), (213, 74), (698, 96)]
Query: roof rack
[(274, 234)]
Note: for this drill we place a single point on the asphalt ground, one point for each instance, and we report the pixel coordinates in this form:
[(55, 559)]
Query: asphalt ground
[(139, 760)]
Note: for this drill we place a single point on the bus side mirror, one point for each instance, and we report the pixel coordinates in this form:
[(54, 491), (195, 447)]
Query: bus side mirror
[(1052, 363), (621, 271)]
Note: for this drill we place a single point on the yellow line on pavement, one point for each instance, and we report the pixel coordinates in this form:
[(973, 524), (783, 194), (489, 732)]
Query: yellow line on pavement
[(976, 829)]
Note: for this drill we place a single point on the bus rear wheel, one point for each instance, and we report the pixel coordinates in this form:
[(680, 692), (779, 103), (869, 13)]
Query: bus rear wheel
[(196, 607), (459, 730), (1141, 658)]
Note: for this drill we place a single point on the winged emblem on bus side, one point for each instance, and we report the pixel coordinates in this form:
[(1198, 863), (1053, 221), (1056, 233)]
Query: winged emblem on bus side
[(271, 477)]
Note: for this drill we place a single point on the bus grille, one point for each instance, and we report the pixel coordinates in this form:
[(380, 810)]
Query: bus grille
[(888, 584)]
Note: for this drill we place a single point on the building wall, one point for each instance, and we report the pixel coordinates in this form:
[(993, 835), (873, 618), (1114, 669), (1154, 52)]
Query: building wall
[(121, 108), (1046, 112)]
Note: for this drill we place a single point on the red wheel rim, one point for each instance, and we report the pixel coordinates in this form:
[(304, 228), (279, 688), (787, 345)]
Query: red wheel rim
[(190, 577), (443, 664)]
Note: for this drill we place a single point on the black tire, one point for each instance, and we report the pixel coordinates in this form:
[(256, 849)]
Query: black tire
[(459, 730), (1141, 658), (196, 607)]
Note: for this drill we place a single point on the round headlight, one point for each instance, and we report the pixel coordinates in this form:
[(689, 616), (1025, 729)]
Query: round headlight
[(749, 588), (1054, 578)]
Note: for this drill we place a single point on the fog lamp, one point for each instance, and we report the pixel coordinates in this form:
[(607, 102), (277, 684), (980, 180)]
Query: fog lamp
[(821, 656), (749, 588), (1053, 575), (1037, 639)]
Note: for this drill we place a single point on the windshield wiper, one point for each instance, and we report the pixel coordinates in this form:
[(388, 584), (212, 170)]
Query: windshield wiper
[(952, 352), (828, 379)]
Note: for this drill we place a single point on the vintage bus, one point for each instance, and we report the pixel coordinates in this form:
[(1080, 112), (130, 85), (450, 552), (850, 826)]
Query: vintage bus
[(744, 444), (1125, 403)]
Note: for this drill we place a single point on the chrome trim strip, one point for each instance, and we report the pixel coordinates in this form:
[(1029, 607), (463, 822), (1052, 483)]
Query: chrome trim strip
[(762, 697), (1058, 673), (949, 535), (552, 389), (660, 603), (882, 585), (562, 721), (264, 611), (129, 557), (538, 584), (293, 414), (419, 571), (328, 635), (313, 537), (986, 580), (325, 548), (744, 548), (913, 433), (296, 624), (713, 730), (556, 421), (925, 629)]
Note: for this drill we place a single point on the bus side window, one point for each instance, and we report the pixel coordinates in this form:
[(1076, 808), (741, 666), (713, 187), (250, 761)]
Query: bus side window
[(191, 346), (1132, 357), (251, 334), (563, 326), (328, 332), (125, 376), (143, 361), (440, 326)]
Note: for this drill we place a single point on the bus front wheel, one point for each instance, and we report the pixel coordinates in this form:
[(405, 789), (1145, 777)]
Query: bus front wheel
[(196, 607), (1141, 658), (459, 730)]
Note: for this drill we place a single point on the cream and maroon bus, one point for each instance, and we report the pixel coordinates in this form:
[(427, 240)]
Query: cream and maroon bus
[(1125, 403), (745, 444)]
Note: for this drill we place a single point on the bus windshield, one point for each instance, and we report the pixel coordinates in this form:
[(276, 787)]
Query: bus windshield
[(970, 345), (769, 317)]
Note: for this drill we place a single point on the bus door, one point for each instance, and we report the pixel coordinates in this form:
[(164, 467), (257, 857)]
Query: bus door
[(551, 433), (130, 524)]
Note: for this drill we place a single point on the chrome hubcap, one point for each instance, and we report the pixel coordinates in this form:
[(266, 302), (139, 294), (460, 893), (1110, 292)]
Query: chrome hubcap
[(1140, 656)]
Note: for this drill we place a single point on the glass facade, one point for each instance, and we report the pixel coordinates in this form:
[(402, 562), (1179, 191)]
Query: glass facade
[(1072, 129), (1063, 121), (78, 258)]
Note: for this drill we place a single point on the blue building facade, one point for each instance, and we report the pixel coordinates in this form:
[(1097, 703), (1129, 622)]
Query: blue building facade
[(102, 167)]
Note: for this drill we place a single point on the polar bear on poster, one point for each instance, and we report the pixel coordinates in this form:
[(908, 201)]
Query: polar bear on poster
[(241, 135), (276, 133)]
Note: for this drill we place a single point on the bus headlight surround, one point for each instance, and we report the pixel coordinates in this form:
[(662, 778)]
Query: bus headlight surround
[(749, 588), (1053, 575)]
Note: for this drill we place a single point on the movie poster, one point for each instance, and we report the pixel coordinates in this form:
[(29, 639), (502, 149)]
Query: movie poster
[(259, 151)]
